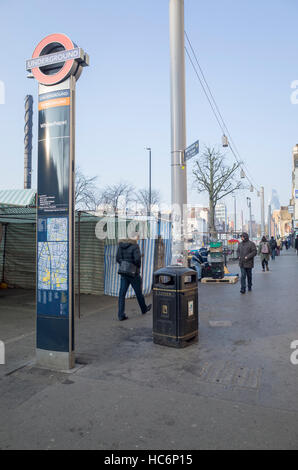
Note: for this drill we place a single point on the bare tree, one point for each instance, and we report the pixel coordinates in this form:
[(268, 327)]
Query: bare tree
[(87, 195), (142, 197), (117, 196), (211, 175)]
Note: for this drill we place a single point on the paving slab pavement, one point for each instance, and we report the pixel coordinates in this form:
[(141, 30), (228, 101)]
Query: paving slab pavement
[(235, 389)]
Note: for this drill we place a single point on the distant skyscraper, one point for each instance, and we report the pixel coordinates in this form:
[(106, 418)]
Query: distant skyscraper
[(275, 204), (28, 142), (294, 200)]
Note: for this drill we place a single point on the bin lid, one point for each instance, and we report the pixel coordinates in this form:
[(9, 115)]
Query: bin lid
[(174, 270)]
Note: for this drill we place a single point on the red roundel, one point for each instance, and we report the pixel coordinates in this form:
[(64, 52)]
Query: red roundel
[(65, 70)]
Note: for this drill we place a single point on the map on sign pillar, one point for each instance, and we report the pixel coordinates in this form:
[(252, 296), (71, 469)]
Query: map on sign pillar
[(52, 263), (53, 256)]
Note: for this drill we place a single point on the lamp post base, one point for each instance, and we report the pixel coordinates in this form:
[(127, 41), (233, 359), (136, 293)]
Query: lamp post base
[(62, 361)]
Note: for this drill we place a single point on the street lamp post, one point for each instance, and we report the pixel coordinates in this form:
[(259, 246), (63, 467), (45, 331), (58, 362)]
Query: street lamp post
[(178, 128), (234, 196), (262, 212), (269, 221), (149, 149), (250, 221)]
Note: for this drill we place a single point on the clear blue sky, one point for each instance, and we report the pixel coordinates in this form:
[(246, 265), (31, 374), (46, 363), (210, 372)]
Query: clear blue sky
[(248, 50)]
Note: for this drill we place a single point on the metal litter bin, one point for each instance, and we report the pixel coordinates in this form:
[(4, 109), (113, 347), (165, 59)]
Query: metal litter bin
[(175, 307)]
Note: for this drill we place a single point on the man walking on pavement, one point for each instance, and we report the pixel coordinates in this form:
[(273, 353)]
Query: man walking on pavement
[(129, 258), (273, 246), (246, 253)]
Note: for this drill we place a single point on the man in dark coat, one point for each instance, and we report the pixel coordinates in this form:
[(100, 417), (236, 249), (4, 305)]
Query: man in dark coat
[(129, 251), (296, 243), (246, 253), (273, 246)]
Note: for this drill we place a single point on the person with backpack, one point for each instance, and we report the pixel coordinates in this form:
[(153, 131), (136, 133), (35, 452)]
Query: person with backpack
[(264, 251), (129, 259), (273, 247)]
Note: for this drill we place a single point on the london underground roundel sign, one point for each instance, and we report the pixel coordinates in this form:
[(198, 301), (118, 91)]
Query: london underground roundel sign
[(55, 58)]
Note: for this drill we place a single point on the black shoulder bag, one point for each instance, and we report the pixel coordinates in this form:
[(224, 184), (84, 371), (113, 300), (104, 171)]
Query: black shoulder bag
[(128, 269)]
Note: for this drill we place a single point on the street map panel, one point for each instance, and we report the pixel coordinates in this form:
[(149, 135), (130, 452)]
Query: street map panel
[(53, 257)]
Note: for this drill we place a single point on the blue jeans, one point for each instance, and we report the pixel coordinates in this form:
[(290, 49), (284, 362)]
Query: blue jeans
[(273, 253), (136, 283), (246, 273)]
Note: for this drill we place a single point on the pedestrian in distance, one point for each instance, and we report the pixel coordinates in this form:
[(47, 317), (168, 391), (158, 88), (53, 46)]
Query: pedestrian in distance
[(273, 246), (264, 252), (296, 244), (246, 253), (278, 247), (129, 259)]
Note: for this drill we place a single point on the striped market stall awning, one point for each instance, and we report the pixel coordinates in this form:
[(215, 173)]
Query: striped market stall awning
[(17, 197)]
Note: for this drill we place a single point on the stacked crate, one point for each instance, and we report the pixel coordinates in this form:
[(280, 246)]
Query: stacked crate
[(217, 260)]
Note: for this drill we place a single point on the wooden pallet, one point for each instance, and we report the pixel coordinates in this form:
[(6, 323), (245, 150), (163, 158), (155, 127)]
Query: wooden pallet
[(225, 280)]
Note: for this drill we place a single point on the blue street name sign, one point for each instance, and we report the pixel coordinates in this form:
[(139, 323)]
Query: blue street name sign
[(191, 151)]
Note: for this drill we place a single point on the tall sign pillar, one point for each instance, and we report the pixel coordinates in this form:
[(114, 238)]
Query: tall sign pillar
[(56, 64)]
